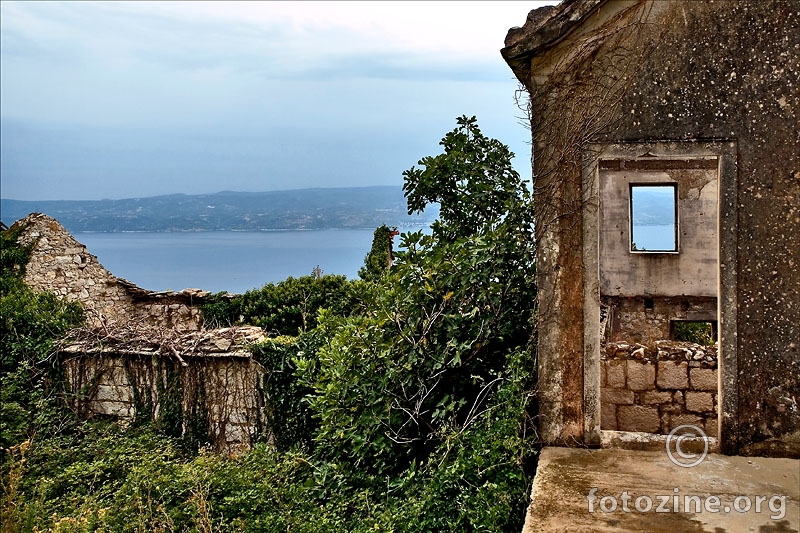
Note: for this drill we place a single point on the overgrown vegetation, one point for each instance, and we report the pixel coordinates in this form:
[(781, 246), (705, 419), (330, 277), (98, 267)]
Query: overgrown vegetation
[(30, 323), (696, 332), (380, 256), (288, 307), (398, 402)]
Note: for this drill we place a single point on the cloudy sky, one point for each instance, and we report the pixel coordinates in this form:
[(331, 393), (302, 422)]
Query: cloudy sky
[(116, 100)]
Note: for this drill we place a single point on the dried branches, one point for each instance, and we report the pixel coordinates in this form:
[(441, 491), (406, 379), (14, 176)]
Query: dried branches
[(576, 99), (141, 337)]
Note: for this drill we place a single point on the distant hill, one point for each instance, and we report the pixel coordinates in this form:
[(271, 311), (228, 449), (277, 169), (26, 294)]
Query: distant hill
[(323, 208), (655, 206)]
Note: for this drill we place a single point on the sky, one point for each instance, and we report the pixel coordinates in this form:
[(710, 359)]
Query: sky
[(124, 100)]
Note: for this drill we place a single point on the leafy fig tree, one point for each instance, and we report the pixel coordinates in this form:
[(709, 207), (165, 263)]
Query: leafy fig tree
[(472, 181), (428, 357)]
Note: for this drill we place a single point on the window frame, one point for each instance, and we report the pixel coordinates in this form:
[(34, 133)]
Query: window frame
[(676, 224)]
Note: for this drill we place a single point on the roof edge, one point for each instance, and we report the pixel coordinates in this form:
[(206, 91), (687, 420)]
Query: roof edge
[(543, 28)]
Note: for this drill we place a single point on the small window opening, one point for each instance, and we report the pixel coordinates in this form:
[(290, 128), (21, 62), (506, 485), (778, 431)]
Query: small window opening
[(654, 218), (698, 332)]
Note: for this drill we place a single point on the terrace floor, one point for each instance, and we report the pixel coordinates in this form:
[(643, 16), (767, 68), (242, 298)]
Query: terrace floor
[(749, 488)]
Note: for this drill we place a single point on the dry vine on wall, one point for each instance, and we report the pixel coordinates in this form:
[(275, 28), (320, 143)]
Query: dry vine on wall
[(202, 386), (575, 100)]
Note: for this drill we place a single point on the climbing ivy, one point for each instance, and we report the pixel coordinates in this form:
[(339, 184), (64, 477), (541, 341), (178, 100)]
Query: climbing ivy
[(289, 420), (379, 258)]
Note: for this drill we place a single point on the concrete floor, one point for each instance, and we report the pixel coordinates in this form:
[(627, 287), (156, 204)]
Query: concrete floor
[(566, 476)]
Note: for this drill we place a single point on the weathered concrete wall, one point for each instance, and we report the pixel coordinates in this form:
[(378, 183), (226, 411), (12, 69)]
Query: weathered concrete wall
[(61, 264), (690, 271), (730, 70), (223, 394), (603, 72), (657, 387)]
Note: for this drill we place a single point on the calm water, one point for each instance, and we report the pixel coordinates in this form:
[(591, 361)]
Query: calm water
[(659, 237), (225, 260)]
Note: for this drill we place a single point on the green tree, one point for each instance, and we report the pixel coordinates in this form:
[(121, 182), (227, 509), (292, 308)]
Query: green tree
[(380, 256), (430, 350), (473, 182)]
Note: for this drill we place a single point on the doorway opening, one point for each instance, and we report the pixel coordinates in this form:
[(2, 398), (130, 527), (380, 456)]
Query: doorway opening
[(653, 352)]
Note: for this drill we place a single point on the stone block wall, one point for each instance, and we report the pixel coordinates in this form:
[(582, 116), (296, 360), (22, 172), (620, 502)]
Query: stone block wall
[(657, 387), (223, 394)]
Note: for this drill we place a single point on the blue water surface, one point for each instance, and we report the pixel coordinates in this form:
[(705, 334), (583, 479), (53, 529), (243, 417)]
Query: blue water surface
[(227, 260)]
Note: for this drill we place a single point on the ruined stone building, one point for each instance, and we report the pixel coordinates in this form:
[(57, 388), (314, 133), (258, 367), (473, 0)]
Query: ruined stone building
[(204, 384), (61, 264), (666, 164), (145, 354)]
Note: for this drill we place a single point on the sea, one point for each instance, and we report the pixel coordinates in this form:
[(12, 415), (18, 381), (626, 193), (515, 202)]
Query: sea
[(228, 261), (655, 237), (238, 261)]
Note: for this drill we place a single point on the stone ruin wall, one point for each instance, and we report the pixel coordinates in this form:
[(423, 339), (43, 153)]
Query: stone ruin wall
[(223, 394), (646, 320), (196, 378), (657, 387), (61, 264), (650, 384)]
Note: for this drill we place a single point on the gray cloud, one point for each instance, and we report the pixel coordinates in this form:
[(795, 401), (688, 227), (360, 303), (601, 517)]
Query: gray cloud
[(107, 100)]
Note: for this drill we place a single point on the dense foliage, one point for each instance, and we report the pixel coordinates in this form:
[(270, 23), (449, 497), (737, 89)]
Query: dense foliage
[(30, 323), (430, 349), (288, 307), (399, 402), (380, 256)]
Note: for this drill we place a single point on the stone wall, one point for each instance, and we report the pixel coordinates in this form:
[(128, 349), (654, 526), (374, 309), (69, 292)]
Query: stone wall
[(657, 387), (203, 382), (61, 264), (647, 320)]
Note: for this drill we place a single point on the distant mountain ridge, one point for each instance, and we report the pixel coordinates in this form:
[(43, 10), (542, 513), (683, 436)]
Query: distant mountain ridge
[(319, 208)]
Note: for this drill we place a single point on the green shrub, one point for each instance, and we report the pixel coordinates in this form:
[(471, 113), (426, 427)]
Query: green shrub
[(288, 307), (30, 324)]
